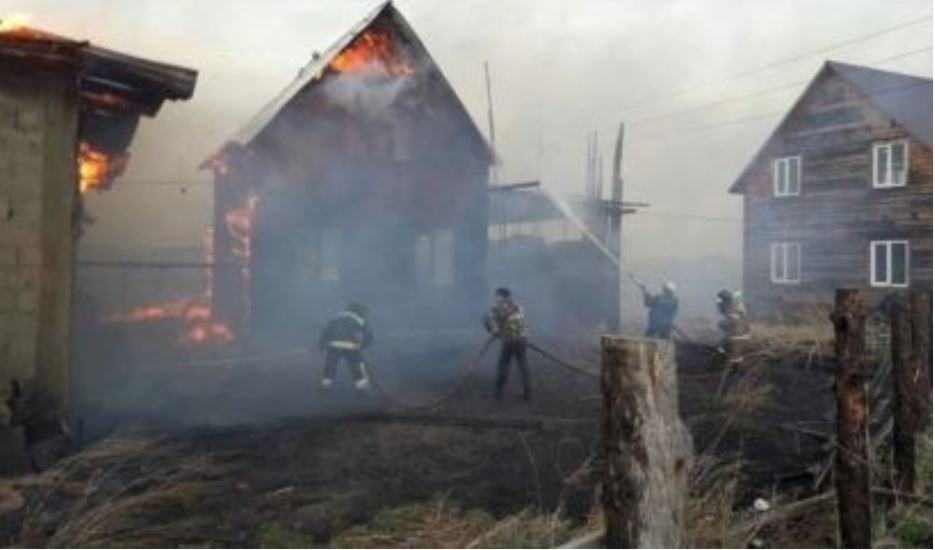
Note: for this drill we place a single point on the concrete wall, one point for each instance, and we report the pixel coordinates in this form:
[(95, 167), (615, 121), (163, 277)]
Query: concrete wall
[(38, 129)]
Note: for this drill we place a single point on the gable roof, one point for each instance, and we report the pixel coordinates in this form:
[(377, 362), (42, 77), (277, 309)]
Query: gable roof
[(315, 69), (904, 99)]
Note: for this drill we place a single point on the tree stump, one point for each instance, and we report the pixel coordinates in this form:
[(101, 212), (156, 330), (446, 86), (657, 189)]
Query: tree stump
[(852, 463), (647, 451)]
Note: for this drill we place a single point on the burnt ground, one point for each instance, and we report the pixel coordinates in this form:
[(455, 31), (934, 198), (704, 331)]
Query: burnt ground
[(214, 455)]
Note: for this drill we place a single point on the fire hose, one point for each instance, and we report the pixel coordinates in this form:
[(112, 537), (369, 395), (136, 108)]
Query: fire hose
[(455, 388), (562, 362), (471, 367)]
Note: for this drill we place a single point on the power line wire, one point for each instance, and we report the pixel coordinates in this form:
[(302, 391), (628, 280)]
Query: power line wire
[(781, 62), (757, 116), (764, 92)]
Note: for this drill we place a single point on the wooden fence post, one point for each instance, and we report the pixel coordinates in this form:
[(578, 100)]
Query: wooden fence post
[(647, 451), (852, 465), (904, 409), (921, 355)]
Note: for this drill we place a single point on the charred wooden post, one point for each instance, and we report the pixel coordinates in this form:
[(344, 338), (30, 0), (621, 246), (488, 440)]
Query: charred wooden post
[(921, 354), (852, 463), (646, 448), (904, 409)]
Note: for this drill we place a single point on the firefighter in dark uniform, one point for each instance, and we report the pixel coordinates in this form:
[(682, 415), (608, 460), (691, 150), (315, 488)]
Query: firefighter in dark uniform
[(507, 322), (345, 337)]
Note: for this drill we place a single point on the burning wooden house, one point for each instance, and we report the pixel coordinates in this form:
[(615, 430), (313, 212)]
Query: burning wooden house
[(69, 111), (840, 195), (364, 180)]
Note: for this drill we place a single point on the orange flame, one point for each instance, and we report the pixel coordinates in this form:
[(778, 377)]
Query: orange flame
[(14, 22), (97, 169), (372, 51), (201, 326), (239, 223), (218, 162)]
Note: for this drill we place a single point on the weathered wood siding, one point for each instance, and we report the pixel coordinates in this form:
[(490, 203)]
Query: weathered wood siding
[(838, 212)]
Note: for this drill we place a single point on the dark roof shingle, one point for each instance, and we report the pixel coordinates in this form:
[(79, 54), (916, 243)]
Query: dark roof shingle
[(904, 98)]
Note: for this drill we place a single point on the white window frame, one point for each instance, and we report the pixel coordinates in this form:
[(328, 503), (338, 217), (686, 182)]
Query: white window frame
[(782, 188), (890, 181), (888, 283), (779, 274)]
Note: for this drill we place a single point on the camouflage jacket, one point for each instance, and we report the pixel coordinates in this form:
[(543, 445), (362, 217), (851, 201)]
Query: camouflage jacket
[(506, 320), (735, 325)]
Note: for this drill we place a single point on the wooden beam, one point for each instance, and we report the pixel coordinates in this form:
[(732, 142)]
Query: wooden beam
[(904, 413), (921, 356), (514, 186), (852, 464)]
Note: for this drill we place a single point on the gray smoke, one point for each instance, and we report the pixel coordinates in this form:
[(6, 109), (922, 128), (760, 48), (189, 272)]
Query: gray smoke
[(368, 93)]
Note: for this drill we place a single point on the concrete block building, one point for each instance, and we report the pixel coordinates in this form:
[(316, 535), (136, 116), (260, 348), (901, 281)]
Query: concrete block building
[(68, 111)]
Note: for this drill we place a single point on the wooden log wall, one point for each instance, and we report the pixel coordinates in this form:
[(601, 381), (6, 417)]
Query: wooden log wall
[(838, 211)]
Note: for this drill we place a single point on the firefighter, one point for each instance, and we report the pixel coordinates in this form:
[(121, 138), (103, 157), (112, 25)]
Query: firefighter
[(507, 322), (735, 329), (662, 309), (345, 337)]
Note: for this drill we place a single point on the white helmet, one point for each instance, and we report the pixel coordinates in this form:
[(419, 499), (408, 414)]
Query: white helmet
[(670, 287)]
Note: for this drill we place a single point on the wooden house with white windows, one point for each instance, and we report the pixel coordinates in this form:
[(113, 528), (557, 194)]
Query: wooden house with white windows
[(840, 195)]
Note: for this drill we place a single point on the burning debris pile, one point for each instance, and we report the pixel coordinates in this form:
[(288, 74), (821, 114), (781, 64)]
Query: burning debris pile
[(200, 324)]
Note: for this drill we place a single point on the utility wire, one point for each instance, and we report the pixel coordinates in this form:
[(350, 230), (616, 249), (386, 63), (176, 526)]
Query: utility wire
[(781, 62), (758, 116), (763, 92), (653, 136)]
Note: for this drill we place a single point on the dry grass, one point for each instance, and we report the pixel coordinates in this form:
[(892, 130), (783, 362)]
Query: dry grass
[(440, 523), (808, 341)]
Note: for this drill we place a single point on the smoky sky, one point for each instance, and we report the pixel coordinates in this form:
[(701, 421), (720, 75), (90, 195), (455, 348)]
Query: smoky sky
[(560, 69)]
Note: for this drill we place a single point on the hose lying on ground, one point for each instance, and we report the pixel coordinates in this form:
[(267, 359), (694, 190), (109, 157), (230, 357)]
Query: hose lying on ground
[(471, 367), (562, 362)]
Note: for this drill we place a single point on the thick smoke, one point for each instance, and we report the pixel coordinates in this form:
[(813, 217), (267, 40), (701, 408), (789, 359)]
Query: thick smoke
[(368, 93)]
